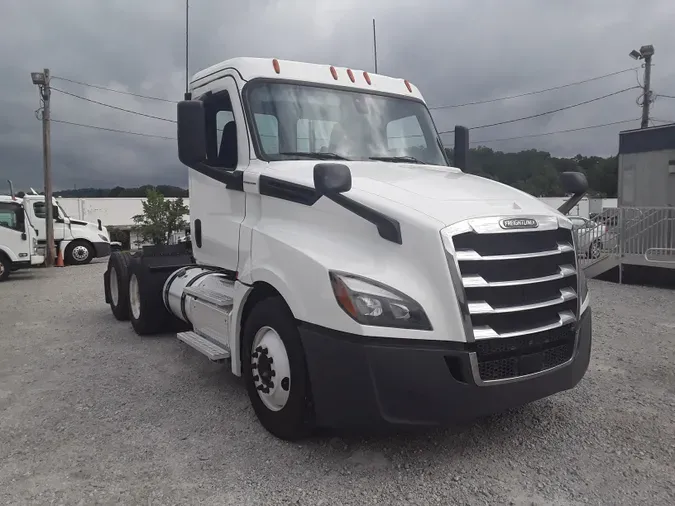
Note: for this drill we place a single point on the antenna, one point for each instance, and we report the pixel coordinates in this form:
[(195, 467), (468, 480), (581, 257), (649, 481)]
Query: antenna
[(188, 96), (375, 45)]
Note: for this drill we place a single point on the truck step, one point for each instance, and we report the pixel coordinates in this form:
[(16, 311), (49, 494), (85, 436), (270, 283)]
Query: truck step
[(211, 296), (212, 350)]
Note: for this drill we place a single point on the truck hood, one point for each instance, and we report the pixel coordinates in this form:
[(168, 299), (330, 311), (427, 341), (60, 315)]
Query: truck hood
[(444, 193)]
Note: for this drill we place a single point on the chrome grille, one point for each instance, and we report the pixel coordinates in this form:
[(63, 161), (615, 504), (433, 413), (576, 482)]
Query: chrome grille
[(515, 283)]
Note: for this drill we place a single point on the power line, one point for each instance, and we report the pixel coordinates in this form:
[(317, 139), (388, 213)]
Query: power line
[(141, 134), (545, 112), (114, 91), (532, 92), (114, 106), (555, 132), (665, 96)]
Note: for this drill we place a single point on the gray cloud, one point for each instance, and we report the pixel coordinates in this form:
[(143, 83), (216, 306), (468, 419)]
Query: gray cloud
[(455, 52)]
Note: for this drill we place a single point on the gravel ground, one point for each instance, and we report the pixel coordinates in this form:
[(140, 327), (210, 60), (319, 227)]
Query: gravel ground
[(90, 413)]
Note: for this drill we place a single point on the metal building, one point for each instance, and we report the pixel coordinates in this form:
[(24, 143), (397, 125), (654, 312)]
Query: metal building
[(641, 231), (647, 167)]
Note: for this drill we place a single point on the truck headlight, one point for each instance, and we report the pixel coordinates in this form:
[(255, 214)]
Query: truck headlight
[(103, 238), (371, 303), (34, 245)]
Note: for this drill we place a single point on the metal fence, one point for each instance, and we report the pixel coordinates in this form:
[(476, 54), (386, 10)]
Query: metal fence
[(634, 235)]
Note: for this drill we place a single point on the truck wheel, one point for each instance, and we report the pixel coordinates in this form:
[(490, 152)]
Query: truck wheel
[(5, 267), (594, 250), (79, 252), (118, 284), (275, 371), (146, 307)]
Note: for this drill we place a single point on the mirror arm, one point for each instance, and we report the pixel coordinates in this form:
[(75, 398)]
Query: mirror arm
[(233, 179), (388, 227), (573, 201)]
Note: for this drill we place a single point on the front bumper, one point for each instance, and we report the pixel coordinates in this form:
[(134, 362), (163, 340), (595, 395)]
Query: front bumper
[(102, 249), (358, 381)]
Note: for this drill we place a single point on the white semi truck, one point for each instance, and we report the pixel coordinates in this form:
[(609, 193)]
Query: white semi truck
[(84, 240), (18, 238), (346, 270)]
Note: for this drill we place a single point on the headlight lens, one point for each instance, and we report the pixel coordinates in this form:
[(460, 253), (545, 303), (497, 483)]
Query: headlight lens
[(371, 303), (103, 238)]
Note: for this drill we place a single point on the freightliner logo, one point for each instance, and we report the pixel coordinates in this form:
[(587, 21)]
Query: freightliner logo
[(518, 223)]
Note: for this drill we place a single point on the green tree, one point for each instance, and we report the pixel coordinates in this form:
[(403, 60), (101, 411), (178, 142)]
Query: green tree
[(161, 217)]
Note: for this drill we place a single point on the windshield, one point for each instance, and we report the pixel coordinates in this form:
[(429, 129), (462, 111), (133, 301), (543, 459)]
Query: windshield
[(294, 121)]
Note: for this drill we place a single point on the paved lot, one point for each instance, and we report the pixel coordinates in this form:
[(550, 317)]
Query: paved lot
[(90, 413)]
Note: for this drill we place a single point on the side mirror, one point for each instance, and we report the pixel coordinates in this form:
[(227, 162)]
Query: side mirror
[(332, 178), (574, 182), (461, 147), (191, 132), (100, 225), (24, 237)]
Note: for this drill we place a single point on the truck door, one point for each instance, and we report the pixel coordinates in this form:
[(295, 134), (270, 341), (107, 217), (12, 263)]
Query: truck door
[(216, 208), (13, 240), (38, 216)]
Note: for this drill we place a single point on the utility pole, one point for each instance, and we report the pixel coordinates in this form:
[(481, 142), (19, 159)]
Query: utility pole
[(187, 96), (375, 45), (645, 53), (41, 79)]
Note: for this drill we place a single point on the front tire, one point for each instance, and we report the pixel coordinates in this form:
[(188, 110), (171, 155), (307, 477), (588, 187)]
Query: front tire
[(5, 267), (275, 370), (79, 252)]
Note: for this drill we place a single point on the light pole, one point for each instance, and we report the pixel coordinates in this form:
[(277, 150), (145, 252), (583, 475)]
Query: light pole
[(645, 53), (41, 80)]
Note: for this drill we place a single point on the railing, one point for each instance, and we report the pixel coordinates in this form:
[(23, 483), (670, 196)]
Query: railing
[(631, 234)]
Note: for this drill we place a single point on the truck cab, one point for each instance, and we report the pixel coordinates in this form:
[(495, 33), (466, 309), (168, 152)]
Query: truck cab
[(84, 240), (345, 268), (18, 238)]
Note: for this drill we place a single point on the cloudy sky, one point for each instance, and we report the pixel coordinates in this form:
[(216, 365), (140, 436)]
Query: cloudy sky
[(456, 51)]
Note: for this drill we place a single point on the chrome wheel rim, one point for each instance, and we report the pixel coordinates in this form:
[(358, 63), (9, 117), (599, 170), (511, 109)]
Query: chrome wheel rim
[(80, 253), (271, 369), (134, 297), (114, 288)]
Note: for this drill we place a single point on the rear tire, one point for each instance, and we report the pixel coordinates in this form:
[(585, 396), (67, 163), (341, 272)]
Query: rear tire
[(79, 252), (278, 389), (147, 311), (117, 286), (5, 267)]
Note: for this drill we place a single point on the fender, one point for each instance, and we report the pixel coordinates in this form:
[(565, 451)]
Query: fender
[(10, 254), (281, 285)]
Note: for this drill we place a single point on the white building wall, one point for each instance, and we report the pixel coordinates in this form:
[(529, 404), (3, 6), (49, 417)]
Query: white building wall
[(113, 212)]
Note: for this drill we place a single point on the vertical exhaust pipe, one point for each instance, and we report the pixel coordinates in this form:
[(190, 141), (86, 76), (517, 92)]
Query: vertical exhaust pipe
[(11, 189)]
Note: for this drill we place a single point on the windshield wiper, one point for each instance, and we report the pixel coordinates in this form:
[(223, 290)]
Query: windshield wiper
[(408, 159), (316, 154)]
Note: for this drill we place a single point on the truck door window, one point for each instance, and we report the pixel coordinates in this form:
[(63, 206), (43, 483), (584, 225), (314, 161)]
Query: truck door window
[(221, 131), (11, 216), (40, 211)]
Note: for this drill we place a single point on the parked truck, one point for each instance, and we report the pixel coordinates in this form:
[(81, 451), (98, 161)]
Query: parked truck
[(345, 268), (18, 238), (84, 240)]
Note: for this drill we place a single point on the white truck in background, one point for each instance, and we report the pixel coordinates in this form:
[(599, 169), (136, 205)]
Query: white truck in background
[(85, 240), (18, 237), (345, 269)]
